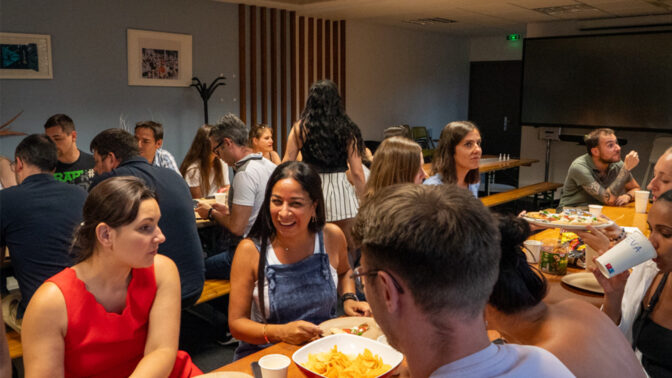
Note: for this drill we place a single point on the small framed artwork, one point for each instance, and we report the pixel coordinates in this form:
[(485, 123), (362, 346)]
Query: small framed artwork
[(25, 56), (158, 59)]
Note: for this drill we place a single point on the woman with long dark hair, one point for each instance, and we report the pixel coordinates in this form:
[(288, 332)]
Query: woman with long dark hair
[(116, 312), (330, 142), (205, 173), (517, 311), (288, 274), (457, 157)]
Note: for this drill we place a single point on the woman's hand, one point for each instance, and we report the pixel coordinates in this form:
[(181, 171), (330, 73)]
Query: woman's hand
[(595, 239), (355, 308), (298, 332), (614, 285)]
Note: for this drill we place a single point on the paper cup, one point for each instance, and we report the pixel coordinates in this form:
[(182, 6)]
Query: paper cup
[(274, 366), (595, 210), (590, 254), (222, 198), (632, 251), (641, 201), (534, 249)]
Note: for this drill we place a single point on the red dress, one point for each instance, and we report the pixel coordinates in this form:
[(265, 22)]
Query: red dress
[(104, 344)]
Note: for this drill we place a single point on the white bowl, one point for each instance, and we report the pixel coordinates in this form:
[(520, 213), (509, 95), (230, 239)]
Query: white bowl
[(350, 345)]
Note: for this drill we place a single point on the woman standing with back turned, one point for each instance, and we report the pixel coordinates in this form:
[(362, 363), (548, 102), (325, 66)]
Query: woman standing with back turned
[(329, 141)]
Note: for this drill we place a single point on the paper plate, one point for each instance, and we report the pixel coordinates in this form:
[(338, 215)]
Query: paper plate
[(352, 321), (564, 226), (584, 281)]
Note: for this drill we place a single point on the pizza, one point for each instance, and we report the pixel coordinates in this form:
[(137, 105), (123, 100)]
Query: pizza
[(566, 218)]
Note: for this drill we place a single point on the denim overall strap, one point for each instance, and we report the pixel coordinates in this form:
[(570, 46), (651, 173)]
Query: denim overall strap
[(301, 291)]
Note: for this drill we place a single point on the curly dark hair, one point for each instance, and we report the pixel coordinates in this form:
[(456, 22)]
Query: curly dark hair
[(325, 130), (518, 287)]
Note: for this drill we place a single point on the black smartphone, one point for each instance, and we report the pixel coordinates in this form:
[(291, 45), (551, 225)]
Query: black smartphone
[(256, 370)]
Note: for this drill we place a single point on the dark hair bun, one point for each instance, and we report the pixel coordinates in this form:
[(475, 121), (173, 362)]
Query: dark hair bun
[(514, 231)]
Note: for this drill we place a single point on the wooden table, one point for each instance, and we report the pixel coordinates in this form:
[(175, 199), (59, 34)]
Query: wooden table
[(559, 291), (490, 164)]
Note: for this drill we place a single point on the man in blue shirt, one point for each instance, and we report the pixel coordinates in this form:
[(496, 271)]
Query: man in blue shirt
[(149, 135), (38, 219), (116, 154)]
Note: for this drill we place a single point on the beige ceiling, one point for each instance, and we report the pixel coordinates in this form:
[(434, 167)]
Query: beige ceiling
[(473, 17)]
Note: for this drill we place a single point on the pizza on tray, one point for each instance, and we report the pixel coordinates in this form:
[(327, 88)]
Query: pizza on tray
[(566, 218)]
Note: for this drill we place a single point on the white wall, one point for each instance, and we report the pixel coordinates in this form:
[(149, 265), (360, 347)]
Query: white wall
[(400, 76), (495, 49)]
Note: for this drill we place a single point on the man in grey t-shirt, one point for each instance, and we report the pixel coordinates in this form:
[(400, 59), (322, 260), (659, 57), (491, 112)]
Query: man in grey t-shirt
[(228, 140), (600, 177)]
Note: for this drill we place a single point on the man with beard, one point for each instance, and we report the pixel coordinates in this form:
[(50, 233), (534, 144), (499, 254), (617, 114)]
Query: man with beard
[(430, 258), (600, 177)]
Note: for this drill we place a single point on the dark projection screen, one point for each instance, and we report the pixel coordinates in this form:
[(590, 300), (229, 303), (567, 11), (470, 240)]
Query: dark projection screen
[(617, 80)]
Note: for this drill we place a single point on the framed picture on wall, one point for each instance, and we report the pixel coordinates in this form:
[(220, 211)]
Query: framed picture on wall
[(158, 59), (25, 56)]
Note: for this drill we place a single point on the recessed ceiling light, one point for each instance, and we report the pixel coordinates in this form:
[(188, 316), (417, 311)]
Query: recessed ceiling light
[(430, 21), (566, 9)]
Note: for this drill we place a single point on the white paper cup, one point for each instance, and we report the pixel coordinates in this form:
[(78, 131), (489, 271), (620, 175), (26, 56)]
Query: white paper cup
[(274, 366), (632, 251), (534, 249), (595, 210), (222, 198), (590, 254), (641, 201)]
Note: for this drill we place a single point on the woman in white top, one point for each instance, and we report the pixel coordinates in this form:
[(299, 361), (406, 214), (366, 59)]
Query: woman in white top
[(201, 162), (297, 261)]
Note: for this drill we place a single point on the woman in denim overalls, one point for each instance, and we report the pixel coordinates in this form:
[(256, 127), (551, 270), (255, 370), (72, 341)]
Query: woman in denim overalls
[(287, 276)]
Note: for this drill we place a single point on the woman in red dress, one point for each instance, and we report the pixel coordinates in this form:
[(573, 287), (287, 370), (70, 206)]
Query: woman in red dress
[(116, 312)]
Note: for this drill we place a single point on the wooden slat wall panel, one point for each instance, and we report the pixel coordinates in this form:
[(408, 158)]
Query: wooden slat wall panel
[(264, 66), (274, 79), (253, 65), (288, 55), (342, 63), (327, 49), (283, 80), (335, 52), (320, 51), (302, 63), (241, 63), (311, 52)]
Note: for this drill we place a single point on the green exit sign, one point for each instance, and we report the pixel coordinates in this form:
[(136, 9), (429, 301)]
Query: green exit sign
[(513, 37)]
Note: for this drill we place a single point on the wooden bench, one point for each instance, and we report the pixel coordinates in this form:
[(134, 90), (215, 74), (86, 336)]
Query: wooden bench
[(14, 343), (214, 289), (545, 188)]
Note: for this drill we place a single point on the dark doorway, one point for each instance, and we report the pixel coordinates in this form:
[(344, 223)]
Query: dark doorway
[(494, 105)]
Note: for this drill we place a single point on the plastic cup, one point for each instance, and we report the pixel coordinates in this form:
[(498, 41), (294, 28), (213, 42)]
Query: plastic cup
[(274, 366), (553, 257), (632, 251), (641, 201), (222, 198), (595, 210), (534, 249)]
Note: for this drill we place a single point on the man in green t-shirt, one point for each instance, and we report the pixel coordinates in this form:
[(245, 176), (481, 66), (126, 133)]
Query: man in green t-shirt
[(600, 177)]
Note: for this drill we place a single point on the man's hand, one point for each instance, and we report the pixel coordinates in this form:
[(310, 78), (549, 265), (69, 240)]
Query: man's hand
[(202, 209), (622, 200), (631, 160)]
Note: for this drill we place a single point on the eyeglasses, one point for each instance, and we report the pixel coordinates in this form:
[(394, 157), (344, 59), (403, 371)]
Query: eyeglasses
[(214, 150), (359, 275), (12, 165)]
